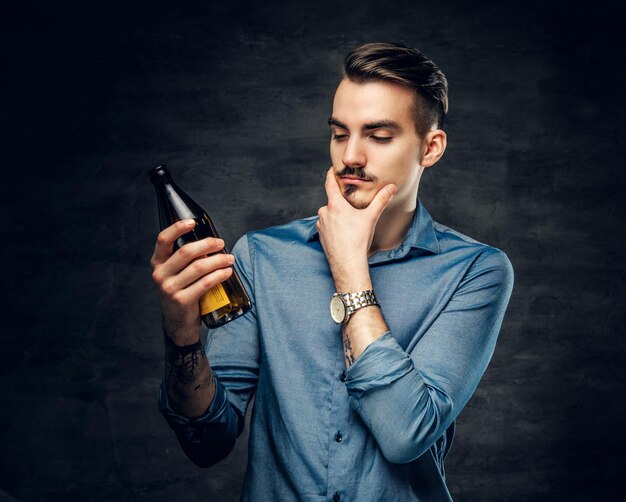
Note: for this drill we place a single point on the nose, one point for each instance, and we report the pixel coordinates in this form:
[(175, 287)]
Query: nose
[(354, 154)]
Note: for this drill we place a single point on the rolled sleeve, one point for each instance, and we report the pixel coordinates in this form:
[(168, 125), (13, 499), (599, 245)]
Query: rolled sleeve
[(206, 439), (180, 423), (380, 364)]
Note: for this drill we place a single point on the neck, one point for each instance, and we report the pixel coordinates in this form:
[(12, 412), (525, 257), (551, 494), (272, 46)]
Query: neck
[(393, 225)]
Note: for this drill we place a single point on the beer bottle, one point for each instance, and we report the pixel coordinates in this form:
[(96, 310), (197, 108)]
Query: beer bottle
[(227, 300)]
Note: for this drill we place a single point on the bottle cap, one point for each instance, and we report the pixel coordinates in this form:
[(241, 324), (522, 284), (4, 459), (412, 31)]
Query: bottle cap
[(159, 172)]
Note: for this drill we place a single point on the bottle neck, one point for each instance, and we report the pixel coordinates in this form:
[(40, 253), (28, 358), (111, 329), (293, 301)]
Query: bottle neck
[(179, 207), (174, 204)]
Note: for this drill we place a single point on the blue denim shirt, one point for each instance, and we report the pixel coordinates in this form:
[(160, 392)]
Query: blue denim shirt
[(376, 431)]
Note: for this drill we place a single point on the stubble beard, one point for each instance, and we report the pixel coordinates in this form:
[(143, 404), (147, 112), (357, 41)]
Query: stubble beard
[(350, 195), (351, 192)]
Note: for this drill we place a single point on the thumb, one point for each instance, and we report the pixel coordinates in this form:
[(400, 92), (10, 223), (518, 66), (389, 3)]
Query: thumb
[(381, 200)]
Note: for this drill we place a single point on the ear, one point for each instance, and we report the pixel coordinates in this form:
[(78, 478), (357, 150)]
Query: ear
[(435, 144)]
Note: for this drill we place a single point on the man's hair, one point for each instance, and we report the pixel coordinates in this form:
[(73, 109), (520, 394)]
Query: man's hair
[(408, 67)]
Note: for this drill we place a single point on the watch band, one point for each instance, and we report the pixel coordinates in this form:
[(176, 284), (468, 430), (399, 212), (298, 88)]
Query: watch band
[(358, 300), (353, 302)]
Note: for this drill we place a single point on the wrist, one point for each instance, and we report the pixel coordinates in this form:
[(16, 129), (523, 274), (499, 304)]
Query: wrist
[(352, 279), (181, 337), (178, 344), (353, 284)]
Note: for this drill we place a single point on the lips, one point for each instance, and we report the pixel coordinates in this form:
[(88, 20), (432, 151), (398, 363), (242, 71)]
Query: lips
[(353, 179)]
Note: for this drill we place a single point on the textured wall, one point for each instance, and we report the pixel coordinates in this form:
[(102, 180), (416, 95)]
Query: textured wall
[(235, 99)]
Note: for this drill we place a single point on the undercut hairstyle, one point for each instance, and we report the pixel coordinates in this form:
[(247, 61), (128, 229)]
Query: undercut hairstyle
[(409, 68)]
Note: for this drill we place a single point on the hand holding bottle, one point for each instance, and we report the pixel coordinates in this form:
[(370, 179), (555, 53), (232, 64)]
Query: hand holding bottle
[(222, 303), (184, 276)]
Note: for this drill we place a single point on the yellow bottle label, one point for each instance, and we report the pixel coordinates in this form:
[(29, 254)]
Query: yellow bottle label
[(213, 299)]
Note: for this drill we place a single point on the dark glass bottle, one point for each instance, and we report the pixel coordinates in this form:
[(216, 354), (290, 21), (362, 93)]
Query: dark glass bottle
[(227, 300)]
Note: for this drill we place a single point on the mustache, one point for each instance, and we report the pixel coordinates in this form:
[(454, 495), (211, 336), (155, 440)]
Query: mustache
[(357, 172)]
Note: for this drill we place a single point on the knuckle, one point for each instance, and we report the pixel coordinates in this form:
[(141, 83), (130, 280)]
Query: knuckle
[(213, 242), (198, 266), (209, 281), (162, 239), (168, 287), (178, 298), (156, 276)]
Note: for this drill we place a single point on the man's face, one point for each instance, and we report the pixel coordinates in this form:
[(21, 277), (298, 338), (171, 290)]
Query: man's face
[(374, 141)]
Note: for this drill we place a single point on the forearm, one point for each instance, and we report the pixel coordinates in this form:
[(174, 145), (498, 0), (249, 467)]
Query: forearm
[(195, 403), (188, 378), (366, 324)]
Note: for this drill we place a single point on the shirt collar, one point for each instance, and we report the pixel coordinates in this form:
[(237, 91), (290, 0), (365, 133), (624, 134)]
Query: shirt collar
[(421, 233)]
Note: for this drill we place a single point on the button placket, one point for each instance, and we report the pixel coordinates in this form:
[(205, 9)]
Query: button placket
[(339, 453)]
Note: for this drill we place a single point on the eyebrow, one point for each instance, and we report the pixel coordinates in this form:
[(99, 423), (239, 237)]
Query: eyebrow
[(378, 124)]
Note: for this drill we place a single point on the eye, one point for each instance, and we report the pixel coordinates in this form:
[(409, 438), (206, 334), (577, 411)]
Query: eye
[(339, 137), (381, 139)]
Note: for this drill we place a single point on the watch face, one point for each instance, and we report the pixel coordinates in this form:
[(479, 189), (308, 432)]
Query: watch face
[(337, 309)]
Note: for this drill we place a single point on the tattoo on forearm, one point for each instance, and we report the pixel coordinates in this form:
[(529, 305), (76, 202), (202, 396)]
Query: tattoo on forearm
[(182, 367), (347, 349)]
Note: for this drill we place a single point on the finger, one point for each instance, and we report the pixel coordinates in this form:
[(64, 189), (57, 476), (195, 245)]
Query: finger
[(381, 200), (195, 270), (188, 253), (195, 291), (333, 190), (167, 237)]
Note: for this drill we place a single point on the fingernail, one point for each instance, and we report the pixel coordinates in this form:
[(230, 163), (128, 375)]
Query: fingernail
[(392, 189), (220, 242), (231, 258), (190, 223)]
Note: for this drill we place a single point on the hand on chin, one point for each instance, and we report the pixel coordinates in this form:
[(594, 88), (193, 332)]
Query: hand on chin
[(346, 225)]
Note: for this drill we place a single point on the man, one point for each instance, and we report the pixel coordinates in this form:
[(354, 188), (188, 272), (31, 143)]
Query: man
[(358, 403)]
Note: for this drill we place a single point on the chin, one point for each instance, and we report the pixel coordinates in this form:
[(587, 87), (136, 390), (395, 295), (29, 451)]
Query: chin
[(356, 200), (359, 204)]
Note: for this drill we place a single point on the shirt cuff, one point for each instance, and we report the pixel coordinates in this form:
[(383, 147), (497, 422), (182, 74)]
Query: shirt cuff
[(214, 412), (382, 362)]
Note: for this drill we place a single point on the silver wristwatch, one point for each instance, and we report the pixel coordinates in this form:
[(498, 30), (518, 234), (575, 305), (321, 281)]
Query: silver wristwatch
[(343, 305)]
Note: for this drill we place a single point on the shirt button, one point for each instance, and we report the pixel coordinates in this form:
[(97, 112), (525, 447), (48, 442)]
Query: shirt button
[(342, 377), (336, 497), (338, 437)]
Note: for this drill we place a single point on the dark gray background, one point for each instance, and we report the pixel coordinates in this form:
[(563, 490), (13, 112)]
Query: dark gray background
[(235, 99)]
